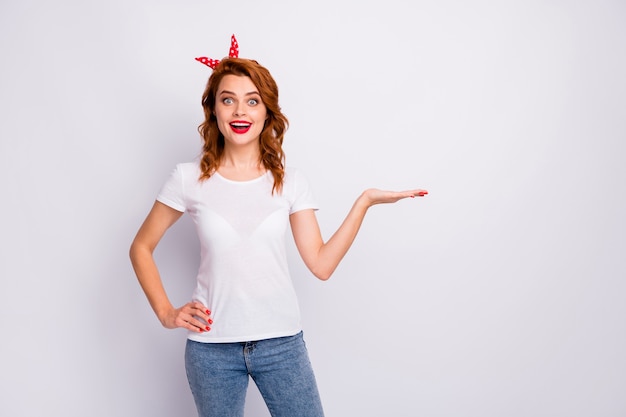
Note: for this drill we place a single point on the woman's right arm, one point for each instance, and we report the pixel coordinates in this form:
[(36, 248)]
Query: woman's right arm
[(192, 316)]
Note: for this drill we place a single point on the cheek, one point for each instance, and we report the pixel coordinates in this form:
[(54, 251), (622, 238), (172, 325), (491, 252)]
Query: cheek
[(220, 117)]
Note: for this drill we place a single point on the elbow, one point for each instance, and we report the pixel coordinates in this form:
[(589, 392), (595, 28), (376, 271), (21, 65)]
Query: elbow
[(324, 277), (132, 251), (323, 274), (136, 250), (321, 266)]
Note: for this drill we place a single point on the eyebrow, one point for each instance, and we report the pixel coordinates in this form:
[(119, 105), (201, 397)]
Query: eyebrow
[(231, 93)]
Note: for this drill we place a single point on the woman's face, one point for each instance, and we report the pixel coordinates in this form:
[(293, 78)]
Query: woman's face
[(239, 111)]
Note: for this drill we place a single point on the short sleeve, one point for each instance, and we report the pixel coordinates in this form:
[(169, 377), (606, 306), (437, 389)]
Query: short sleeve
[(303, 194), (172, 193)]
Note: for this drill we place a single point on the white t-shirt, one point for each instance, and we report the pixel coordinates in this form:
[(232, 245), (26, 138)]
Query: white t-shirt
[(243, 276)]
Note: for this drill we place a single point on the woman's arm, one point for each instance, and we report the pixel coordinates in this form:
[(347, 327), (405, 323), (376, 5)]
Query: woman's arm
[(322, 258), (160, 218)]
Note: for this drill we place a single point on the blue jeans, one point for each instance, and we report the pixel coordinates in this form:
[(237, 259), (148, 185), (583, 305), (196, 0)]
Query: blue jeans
[(218, 375)]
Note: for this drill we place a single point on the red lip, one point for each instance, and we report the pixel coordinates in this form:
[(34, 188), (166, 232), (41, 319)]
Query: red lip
[(240, 126)]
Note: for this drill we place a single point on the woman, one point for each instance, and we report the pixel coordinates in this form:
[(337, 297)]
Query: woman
[(244, 319)]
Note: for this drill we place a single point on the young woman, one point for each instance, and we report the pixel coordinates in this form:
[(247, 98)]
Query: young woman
[(243, 320)]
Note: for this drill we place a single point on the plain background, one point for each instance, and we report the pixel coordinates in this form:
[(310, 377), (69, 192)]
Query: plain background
[(502, 293)]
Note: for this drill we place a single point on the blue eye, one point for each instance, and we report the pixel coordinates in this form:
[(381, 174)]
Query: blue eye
[(227, 100), (253, 102)]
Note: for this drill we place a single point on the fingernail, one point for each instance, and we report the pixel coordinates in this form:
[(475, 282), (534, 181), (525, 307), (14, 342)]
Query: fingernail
[(208, 311), (208, 328), (210, 321), (201, 330)]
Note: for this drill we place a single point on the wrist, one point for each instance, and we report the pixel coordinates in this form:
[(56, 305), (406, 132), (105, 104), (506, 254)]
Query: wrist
[(363, 202), (163, 314)]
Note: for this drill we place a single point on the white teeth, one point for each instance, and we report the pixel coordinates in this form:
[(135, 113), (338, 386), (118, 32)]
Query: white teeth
[(240, 124)]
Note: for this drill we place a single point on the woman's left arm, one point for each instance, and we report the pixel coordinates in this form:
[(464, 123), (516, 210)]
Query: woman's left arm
[(322, 258)]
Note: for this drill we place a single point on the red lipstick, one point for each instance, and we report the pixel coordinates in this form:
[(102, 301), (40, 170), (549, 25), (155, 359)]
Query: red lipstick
[(240, 126)]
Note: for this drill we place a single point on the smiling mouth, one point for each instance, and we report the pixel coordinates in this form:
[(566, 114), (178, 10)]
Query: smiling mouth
[(240, 127)]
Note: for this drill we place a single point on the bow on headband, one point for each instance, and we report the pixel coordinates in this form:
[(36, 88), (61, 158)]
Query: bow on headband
[(232, 53)]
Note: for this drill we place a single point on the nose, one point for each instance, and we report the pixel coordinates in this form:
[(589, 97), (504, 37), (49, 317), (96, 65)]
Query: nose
[(240, 109)]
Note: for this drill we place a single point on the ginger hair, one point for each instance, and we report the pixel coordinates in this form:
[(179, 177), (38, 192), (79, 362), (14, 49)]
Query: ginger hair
[(271, 139)]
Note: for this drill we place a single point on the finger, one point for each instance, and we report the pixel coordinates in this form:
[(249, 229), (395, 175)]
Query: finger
[(189, 322), (192, 316), (199, 326), (200, 310), (419, 193), (200, 307)]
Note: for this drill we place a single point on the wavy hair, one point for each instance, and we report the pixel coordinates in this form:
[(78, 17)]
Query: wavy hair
[(271, 138)]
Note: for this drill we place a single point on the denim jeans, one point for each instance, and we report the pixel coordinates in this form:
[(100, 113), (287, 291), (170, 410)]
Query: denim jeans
[(218, 375)]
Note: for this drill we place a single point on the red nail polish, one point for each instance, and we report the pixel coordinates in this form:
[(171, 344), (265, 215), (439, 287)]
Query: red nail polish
[(208, 328), (210, 321), (208, 311)]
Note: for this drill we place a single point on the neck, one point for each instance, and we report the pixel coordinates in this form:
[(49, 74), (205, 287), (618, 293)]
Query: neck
[(241, 163), (248, 157)]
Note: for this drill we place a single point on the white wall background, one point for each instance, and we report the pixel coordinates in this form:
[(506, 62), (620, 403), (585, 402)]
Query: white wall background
[(502, 293)]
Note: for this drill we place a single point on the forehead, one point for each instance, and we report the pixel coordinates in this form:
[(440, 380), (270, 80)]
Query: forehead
[(239, 84)]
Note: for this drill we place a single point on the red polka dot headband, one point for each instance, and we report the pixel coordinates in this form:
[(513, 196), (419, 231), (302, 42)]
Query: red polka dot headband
[(232, 53)]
